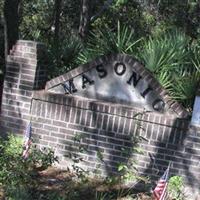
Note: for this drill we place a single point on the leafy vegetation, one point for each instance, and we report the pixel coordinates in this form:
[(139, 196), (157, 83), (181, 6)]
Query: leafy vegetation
[(175, 188), (105, 41), (164, 35), (64, 57), (32, 179), (170, 57), (17, 176)]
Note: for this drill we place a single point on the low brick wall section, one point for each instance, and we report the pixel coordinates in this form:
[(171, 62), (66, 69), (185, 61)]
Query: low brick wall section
[(66, 123)]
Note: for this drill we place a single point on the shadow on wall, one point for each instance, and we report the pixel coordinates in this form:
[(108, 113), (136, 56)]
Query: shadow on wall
[(181, 148), (102, 141), (25, 72), (113, 145), (10, 107)]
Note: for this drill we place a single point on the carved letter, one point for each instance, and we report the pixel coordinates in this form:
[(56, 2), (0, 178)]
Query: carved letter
[(85, 80), (134, 79), (69, 87), (149, 89), (101, 70), (120, 68), (158, 105)]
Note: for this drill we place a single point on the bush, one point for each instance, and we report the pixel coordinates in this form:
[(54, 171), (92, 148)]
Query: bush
[(16, 173), (171, 59), (64, 56), (176, 188), (105, 41)]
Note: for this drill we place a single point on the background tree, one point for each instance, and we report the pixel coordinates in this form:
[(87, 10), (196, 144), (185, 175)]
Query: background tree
[(57, 11), (85, 18), (57, 21), (11, 19), (93, 28)]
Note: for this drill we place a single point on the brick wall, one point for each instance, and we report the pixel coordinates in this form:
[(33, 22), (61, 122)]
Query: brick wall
[(108, 128), (94, 131), (25, 72)]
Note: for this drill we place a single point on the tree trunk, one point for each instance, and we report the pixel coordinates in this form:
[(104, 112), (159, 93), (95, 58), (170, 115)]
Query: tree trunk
[(57, 11), (57, 21), (84, 18), (11, 24)]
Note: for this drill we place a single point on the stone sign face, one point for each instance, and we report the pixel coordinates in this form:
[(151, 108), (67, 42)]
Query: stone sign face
[(196, 112), (113, 81)]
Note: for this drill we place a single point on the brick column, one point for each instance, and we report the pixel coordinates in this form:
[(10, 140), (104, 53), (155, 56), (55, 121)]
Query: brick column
[(25, 71), (195, 121)]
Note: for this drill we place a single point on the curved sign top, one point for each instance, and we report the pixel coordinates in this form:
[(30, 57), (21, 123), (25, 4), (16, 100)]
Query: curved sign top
[(115, 78)]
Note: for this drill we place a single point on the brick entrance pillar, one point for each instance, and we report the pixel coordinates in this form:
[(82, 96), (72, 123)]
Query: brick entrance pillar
[(25, 71)]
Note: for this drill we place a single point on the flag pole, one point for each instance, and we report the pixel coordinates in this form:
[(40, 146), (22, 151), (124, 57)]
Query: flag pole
[(30, 110), (160, 191), (27, 135)]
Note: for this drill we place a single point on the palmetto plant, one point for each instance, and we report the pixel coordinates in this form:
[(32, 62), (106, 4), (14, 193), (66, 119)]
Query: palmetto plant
[(171, 59), (107, 41), (167, 52), (185, 89), (64, 56)]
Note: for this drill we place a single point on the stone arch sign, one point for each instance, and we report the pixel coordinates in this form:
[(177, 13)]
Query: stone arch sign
[(99, 103), (116, 78)]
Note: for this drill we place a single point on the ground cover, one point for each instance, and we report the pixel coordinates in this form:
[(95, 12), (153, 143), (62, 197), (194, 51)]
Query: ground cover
[(37, 178), (54, 183)]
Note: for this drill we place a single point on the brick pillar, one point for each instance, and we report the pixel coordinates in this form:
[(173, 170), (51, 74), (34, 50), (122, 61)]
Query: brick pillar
[(25, 71), (195, 121)]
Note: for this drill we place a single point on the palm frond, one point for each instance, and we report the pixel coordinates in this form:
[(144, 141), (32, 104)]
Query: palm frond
[(184, 89), (174, 64), (168, 52), (165, 80), (107, 41)]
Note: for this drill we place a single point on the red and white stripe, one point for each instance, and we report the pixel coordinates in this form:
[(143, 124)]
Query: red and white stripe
[(26, 147), (160, 192)]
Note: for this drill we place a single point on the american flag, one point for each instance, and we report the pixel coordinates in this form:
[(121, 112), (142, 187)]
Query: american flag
[(27, 142), (160, 191)]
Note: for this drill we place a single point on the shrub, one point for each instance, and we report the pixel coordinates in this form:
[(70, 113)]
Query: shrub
[(176, 188), (16, 173), (105, 41), (63, 56), (170, 58)]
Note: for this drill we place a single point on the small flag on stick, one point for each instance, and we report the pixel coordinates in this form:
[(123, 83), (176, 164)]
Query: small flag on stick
[(160, 191), (27, 142)]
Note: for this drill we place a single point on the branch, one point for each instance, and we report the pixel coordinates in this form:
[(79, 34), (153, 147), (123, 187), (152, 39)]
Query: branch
[(105, 7)]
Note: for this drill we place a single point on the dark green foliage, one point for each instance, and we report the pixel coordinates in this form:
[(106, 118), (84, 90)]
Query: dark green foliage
[(182, 14), (16, 174), (174, 62), (37, 20), (176, 188), (127, 12), (146, 29), (1, 46), (64, 56), (105, 41)]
